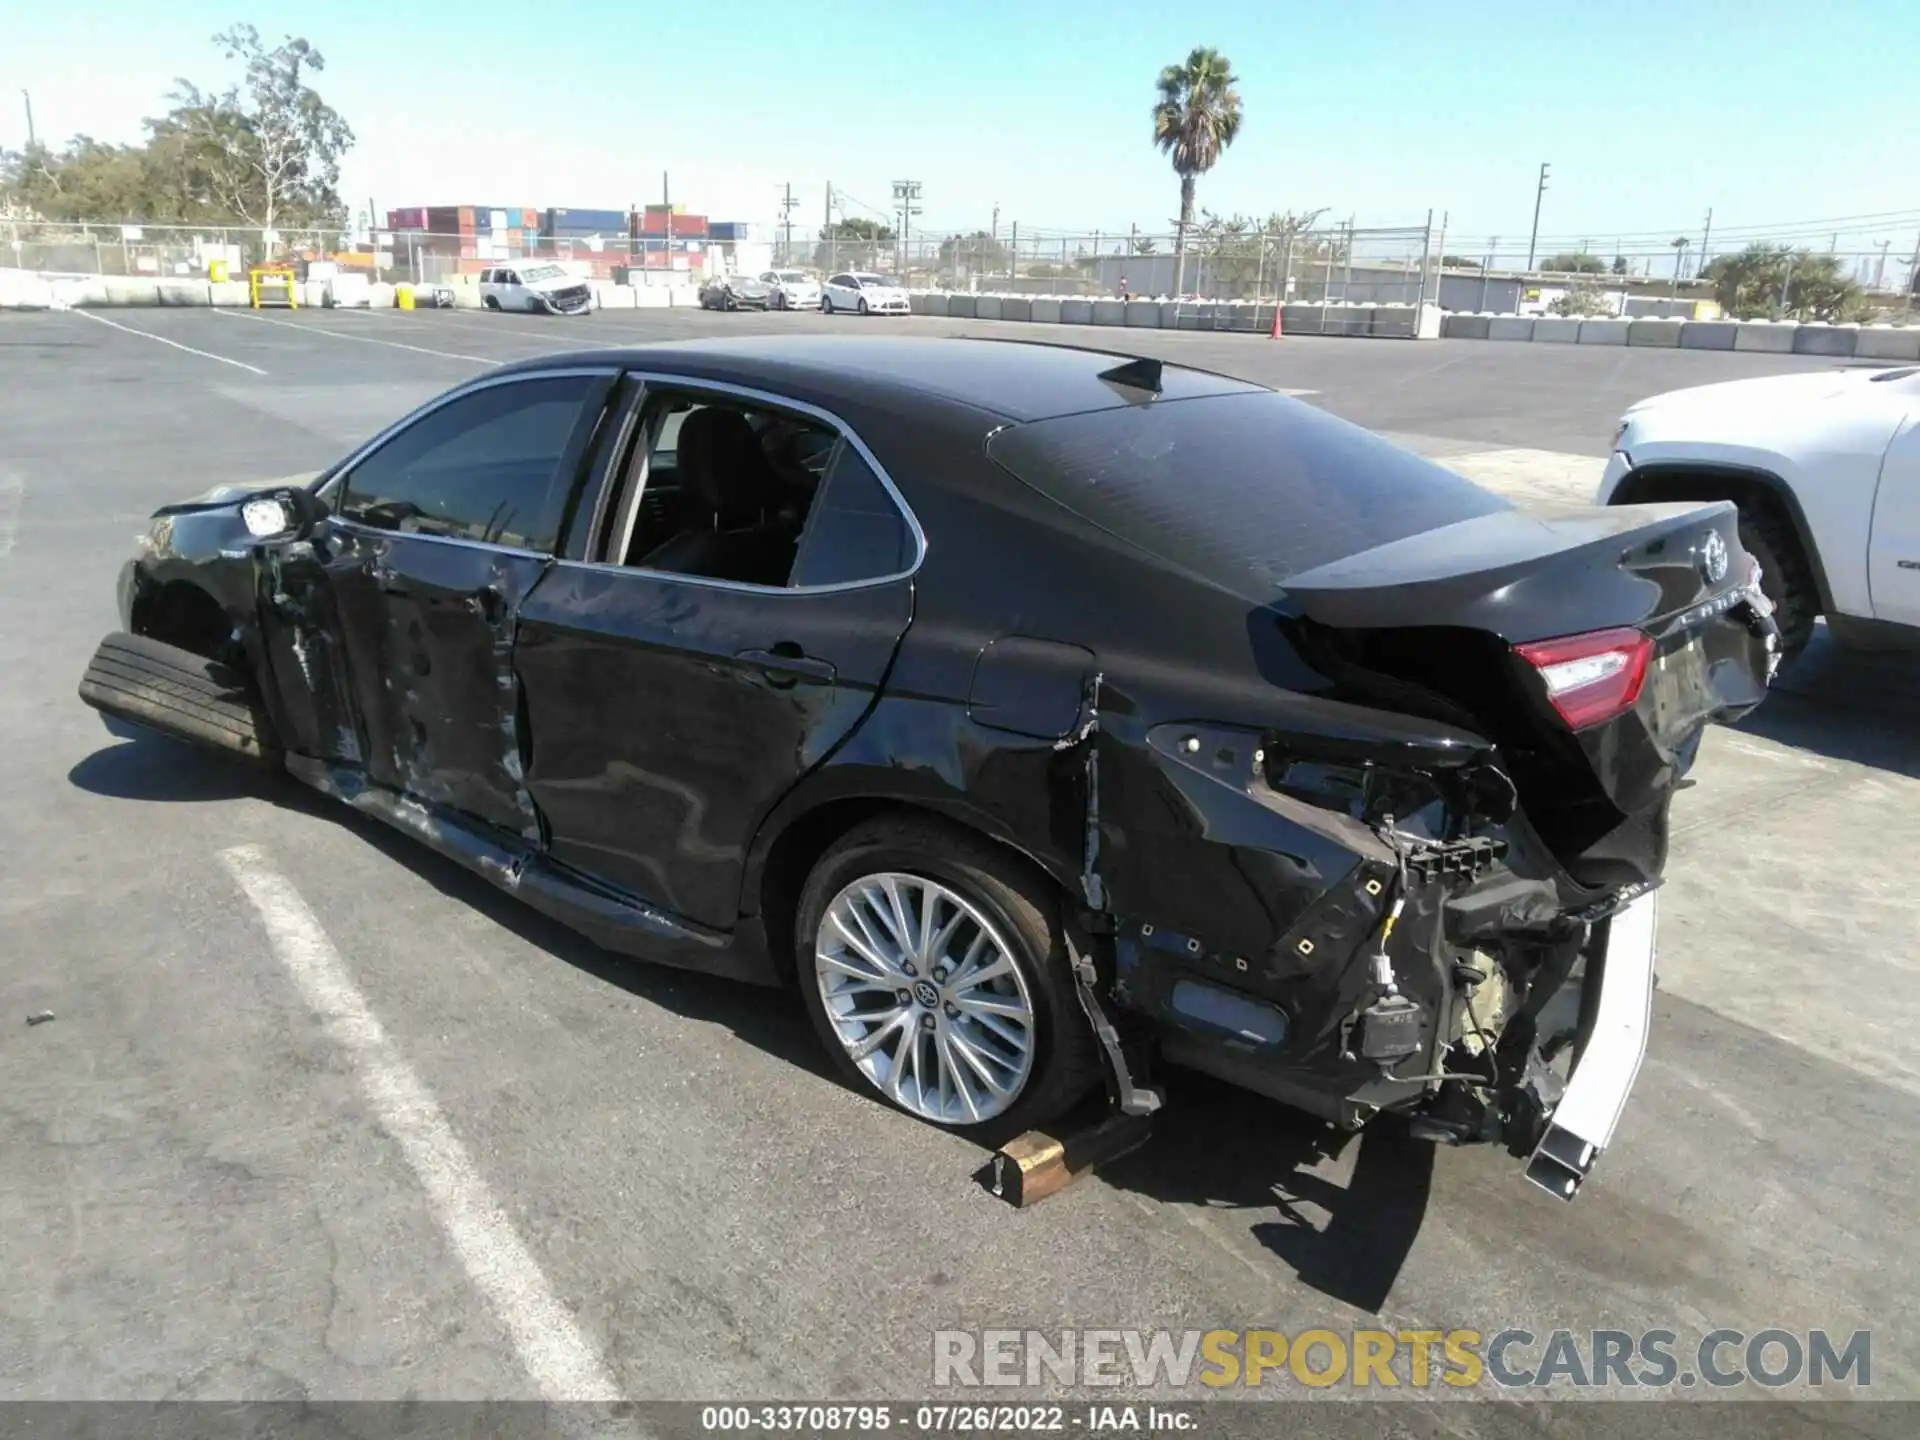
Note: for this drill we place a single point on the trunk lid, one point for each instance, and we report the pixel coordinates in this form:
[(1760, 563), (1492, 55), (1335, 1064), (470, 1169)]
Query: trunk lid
[(1593, 646)]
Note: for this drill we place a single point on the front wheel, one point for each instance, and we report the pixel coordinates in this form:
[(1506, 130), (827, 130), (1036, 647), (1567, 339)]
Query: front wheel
[(1785, 577), (934, 969), (863, 307), (826, 304)]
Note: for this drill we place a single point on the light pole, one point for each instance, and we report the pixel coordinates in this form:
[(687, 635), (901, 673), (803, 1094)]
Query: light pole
[(905, 195), (27, 97)]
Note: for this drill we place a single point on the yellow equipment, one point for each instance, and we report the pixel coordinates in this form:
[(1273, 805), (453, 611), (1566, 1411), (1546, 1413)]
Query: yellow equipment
[(403, 297), (273, 285)]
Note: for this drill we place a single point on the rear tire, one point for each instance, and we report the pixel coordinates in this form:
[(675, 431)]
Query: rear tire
[(1021, 911), (1785, 576), (181, 694), (490, 302)]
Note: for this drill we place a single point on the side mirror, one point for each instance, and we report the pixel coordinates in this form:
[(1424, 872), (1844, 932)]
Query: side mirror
[(288, 514)]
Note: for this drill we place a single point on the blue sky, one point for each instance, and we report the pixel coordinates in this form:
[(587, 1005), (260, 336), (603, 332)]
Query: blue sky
[(1770, 113)]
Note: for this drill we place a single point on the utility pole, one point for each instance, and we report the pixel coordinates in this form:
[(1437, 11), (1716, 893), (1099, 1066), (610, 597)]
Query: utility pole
[(1913, 273), (28, 98), (1706, 234), (787, 206), (1538, 195), (906, 194)]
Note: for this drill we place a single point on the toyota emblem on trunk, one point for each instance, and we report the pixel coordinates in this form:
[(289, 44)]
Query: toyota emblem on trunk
[(1713, 558)]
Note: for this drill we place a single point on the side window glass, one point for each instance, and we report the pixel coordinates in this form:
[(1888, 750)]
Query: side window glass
[(724, 490), (483, 467), (857, 531)]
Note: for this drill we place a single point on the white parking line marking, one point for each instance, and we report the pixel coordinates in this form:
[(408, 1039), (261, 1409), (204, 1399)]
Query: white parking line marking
[(556, 1355), (362, 339), (13, 490), (149, 335)]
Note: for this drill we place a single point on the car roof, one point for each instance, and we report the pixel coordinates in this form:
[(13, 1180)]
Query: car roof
[(1019, 380)]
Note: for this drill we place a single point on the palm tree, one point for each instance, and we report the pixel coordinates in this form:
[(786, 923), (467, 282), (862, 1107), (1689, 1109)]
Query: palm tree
[(1196, 117), (1680, 244)]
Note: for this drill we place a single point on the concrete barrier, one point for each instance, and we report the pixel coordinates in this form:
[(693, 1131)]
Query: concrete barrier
[(1605, 331), (960, 307), (1142, 314), (986, 307), (1557, 330), (229, 293), (1837, 340), (1709, 334), (182, 292), (1077, 312), (1109, 312), (1428, 325), (1015, 307), (653, 297), (921, 303), (1395, 322), (1350, 320), (1663, 334), (937, 305), (1764, 337), (608, 296), (127, 290), (1297, 319), (1046, 310), (1888, 342), (1510, 327), (1459, 326)]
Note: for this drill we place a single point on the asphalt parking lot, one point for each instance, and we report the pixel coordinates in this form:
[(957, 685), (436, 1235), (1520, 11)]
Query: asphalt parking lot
[(199, 1198)]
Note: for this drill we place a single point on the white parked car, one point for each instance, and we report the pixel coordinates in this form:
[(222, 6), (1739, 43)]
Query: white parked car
[(538, 287), (863, 293), (792, 290), (1825, 470)]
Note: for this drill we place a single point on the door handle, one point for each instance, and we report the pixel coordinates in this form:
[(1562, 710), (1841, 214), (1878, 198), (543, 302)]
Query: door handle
[(785, 670)]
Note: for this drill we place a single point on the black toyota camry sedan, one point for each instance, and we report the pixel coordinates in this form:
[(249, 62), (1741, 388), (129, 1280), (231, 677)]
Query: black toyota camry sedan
[(1043, 716)]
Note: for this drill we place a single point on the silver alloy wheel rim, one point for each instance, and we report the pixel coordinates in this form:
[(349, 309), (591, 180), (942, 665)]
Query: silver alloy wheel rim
[(925, 995)]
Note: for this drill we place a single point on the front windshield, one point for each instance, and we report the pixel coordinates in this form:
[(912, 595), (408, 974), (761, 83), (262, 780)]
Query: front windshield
[(873, 280), (794, 277), (542, 272)]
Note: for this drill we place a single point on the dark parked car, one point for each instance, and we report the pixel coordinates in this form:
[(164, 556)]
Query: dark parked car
[(1042, 714)]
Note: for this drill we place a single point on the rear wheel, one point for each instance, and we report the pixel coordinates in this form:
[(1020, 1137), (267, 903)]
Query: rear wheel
[(934, 969), (491, 302), (181, 694)]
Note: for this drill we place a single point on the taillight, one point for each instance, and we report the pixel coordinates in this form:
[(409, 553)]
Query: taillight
[(1591, 678)]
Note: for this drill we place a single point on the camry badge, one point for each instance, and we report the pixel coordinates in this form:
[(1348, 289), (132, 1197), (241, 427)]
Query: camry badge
[(1713, 558)]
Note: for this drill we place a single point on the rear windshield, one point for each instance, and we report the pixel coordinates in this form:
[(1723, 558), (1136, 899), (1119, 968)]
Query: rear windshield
[(1244, 490)]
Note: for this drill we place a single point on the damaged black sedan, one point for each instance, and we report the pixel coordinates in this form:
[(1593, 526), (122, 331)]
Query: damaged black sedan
[(1041, 715)]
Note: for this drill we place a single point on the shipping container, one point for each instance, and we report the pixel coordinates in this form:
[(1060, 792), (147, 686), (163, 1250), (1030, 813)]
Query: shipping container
[(729, 230), (410, 219), (584, 222)]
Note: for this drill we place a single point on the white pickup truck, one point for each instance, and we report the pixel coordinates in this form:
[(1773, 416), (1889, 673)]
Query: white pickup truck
[(1825, 470)]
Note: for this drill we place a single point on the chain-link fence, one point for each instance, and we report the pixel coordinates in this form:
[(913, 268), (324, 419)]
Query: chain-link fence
[(1326, 264), (419, 256)]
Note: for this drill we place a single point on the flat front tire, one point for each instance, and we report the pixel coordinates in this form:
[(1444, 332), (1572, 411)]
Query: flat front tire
[(181, 694), (934, 968)]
